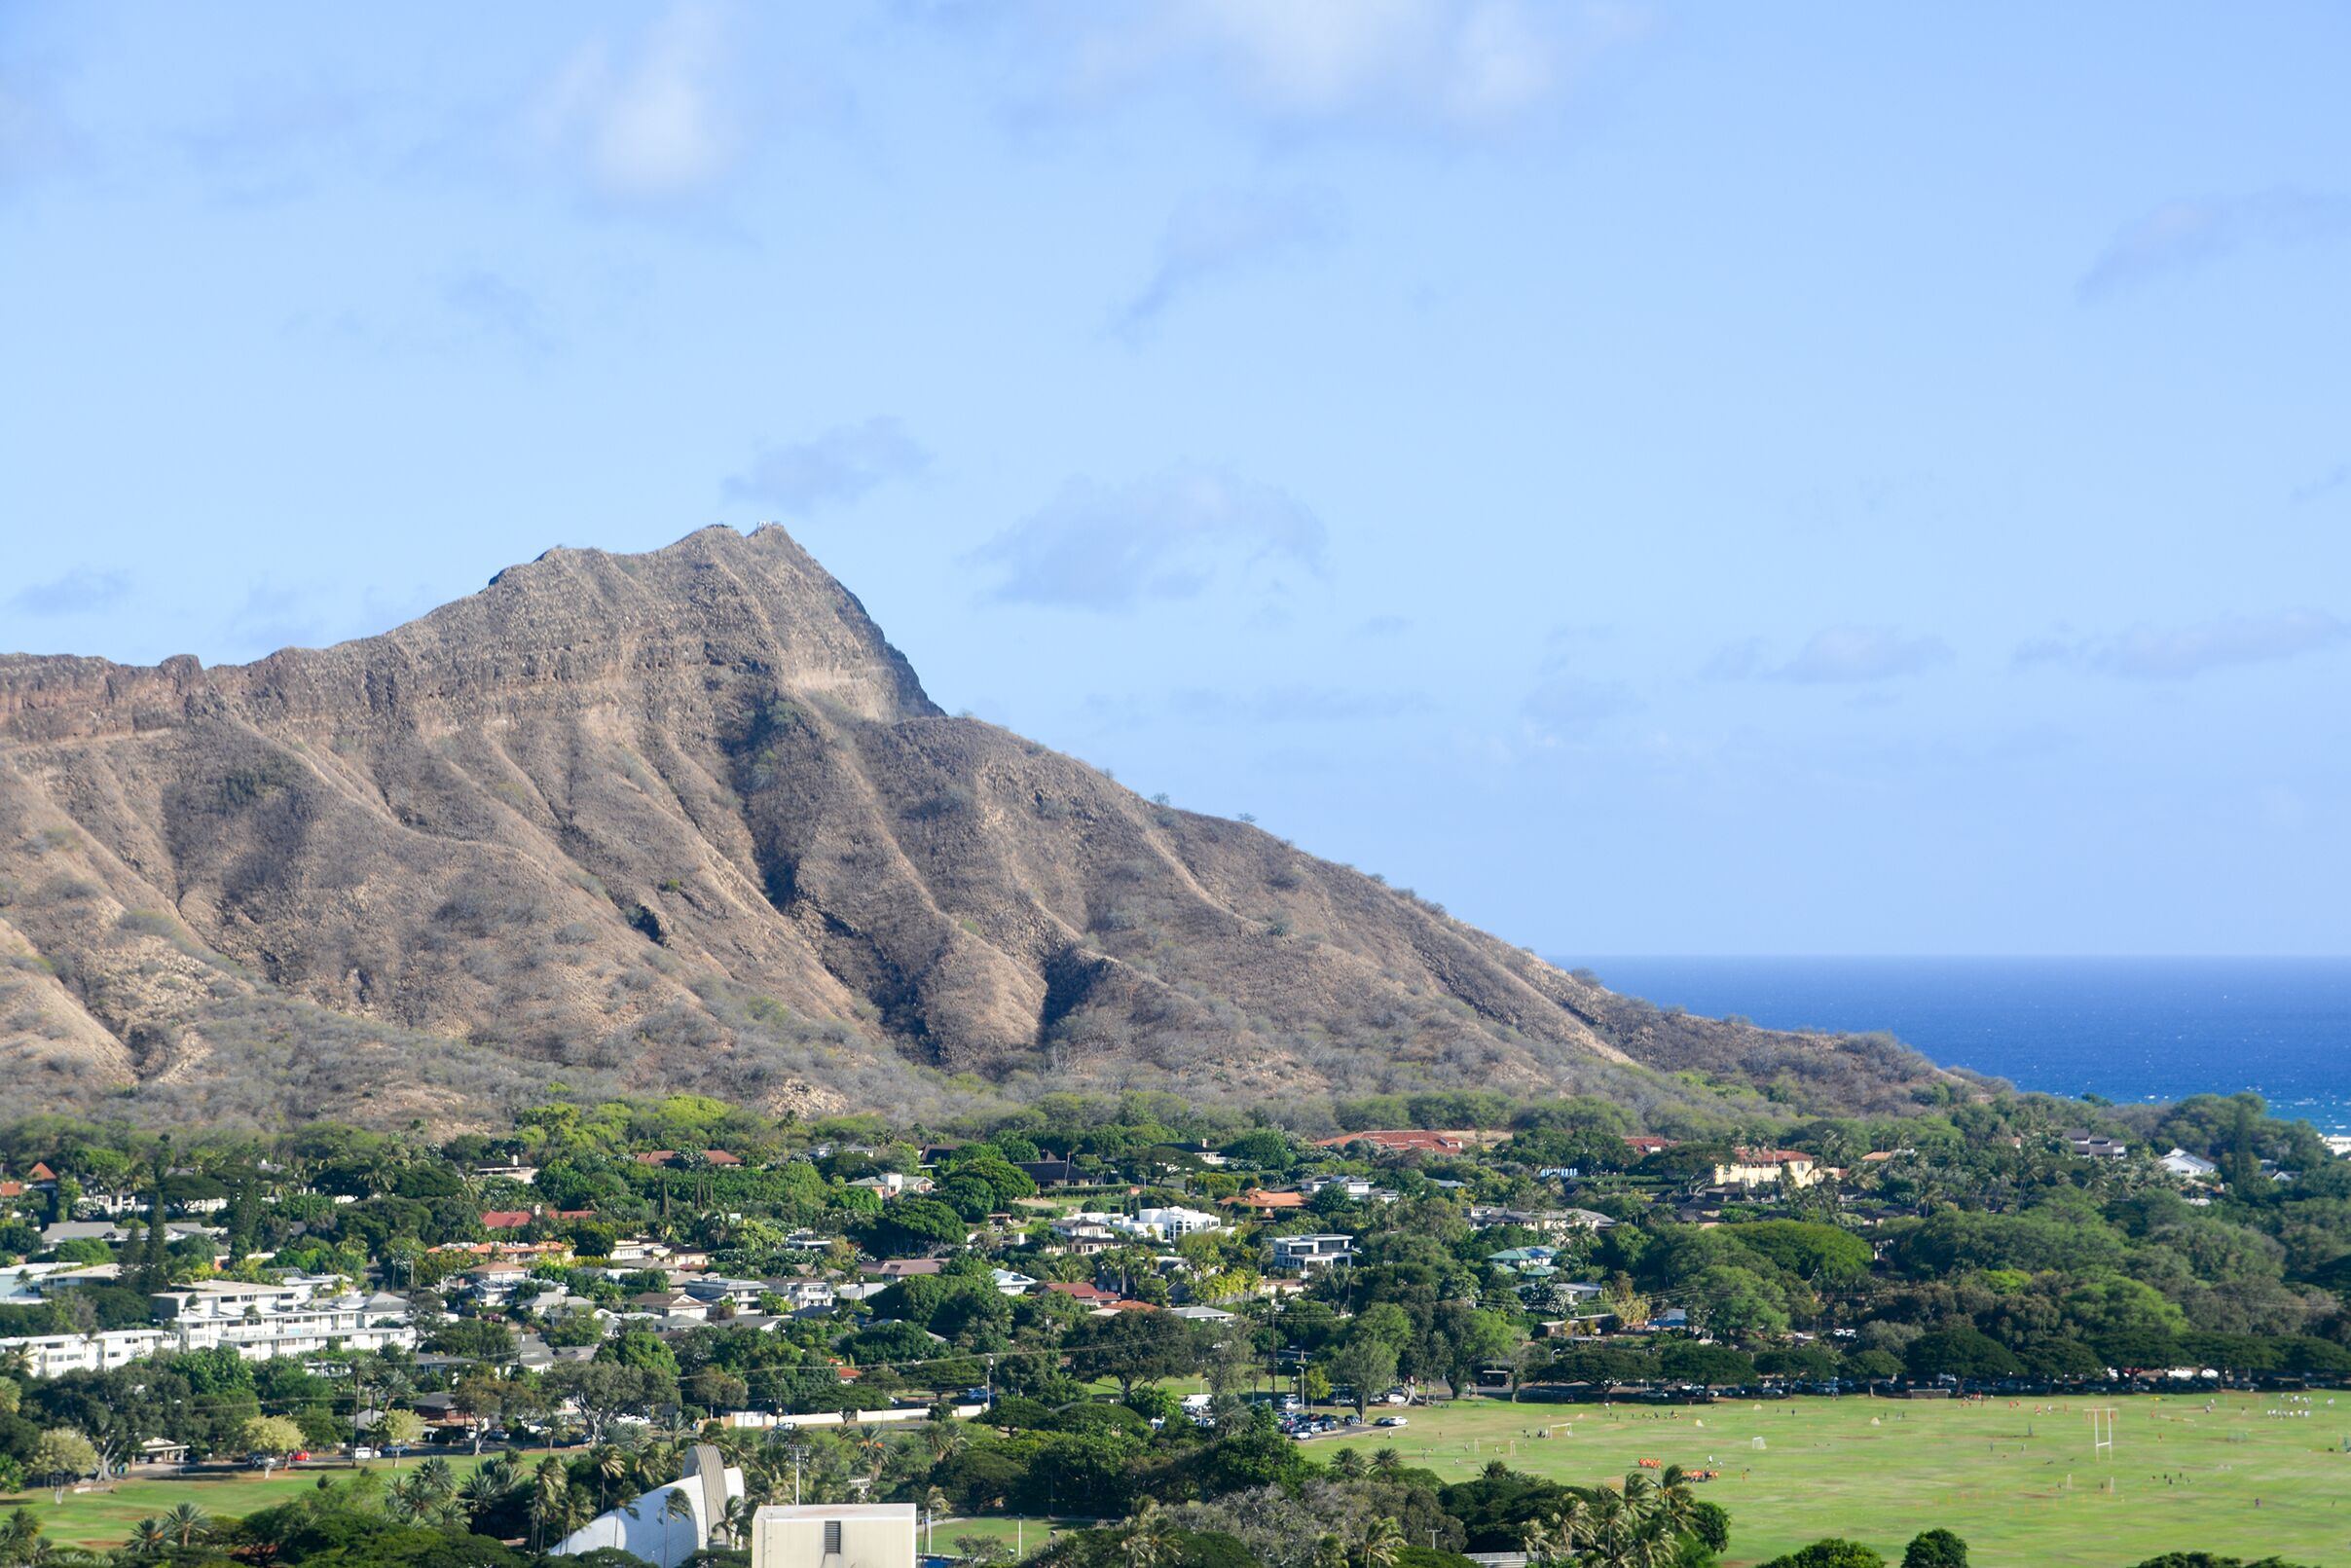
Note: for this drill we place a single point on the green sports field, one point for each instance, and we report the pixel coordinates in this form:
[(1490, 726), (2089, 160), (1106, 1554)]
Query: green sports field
[(104, 1517), (2018, 1482)]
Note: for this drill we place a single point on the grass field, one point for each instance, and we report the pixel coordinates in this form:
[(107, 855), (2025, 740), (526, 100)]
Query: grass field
[(104, 1519), (2017, 1481)]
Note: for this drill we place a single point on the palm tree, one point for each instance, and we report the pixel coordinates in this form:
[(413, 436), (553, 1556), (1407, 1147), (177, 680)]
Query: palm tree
[(1144, 1542), (740, 1512), (1382, 1541), (934, 1503), (606, 1462), (148, 1539), (871, 1446), (485, 1490), (676, 1506), (1347, 1465), (1387, 1461), (186, 1523), (435, 1480), (549, 1482)]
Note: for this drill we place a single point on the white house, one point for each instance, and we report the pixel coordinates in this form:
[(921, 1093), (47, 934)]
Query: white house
[(2195, 1167), (1306, 1254)]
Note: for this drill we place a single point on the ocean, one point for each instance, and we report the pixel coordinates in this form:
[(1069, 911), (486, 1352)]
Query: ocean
[(2124, 1028)]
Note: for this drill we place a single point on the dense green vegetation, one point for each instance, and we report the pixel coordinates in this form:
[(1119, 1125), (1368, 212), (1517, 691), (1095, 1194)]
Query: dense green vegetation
[(1534, 1254)]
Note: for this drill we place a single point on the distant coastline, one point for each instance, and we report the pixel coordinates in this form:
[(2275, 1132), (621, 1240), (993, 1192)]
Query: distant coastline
[(2127, 1029)]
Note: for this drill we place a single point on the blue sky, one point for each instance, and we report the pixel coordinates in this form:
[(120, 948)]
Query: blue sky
[(1717, 480)]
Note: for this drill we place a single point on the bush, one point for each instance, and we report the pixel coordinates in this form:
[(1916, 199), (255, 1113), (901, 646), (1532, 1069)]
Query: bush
[(1935, 1548), (1830, 1552)]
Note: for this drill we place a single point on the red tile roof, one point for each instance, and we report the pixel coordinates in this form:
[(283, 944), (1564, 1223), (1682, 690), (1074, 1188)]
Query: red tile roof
[(1259, 1198), (508, 1219)]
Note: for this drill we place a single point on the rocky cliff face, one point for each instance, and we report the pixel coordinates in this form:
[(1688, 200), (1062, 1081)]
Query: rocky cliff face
[(687, 821)]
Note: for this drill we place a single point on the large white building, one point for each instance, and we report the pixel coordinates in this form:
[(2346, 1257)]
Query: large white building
[(834, 1535), (259, 1321)]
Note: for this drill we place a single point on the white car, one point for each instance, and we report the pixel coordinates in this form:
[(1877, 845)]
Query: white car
[(365, 1453), (1390, 1421)]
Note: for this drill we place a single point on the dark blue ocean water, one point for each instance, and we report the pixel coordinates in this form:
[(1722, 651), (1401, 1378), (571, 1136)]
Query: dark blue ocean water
[(2128, 1028)]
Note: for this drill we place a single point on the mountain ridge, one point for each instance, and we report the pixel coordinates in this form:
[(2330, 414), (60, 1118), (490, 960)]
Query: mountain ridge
[(687, 819)]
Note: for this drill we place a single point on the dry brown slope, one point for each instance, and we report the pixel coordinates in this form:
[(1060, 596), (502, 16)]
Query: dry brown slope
[(687, 820)]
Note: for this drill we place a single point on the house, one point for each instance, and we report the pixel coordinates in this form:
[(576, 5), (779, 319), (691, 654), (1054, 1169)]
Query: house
[(712, 1289), (1011, 1282), (670, 1306), (1307, 1253), (1532, 1261), (1752, 1168), (902, 1268), (105, 1231), (804, 1294), (1050, 1172), (1201, 1314), (1175, 1224), (1397, 1141), (2090, 1145), (2195, 1167), (508, 1219), (665, 1157), (1643, 1146), (1349, 1186), (893, 1184), (1085, 1233), (1091, 1296), (1550, 1221), (1263, 1201)]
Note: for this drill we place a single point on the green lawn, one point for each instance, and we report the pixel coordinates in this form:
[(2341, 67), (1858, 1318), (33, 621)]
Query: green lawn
[(2018, 1482), (104, 1519)]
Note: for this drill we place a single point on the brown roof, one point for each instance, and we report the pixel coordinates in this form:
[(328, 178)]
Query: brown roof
[(506, 1219), (1092, 1294), (1259, 1198)]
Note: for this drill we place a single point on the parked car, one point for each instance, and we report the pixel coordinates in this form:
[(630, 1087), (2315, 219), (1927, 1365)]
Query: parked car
[(365, 1452), (1392, 1421)]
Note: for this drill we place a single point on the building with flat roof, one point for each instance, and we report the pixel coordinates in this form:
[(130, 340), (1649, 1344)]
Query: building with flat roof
[(834, 1535)]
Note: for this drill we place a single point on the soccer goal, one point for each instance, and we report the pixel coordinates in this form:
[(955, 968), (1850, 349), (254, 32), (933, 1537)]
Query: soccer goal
[(2101, 1432)]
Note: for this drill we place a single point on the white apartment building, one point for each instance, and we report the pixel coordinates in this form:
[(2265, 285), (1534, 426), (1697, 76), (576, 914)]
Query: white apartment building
[(52, 1355)]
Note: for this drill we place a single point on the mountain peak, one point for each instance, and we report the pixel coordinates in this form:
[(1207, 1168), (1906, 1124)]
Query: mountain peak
[(686, 820)]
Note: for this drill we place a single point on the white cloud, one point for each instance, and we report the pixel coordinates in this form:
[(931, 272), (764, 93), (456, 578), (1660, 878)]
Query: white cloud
[(1219, 231), (838, 466), (1461, 65), (651, 123), (2184, 652), (1852, 653), (1107, 547), (2179, 235)]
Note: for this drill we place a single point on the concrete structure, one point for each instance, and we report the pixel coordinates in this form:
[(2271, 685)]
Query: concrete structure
[(834, 1535), (662, 1532), (2089, 1145)]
